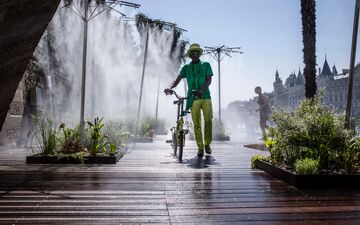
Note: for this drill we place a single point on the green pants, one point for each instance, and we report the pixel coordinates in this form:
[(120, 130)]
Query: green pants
[(206, 107)]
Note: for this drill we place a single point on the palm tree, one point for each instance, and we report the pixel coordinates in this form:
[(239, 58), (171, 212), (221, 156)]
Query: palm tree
[(309, 39)]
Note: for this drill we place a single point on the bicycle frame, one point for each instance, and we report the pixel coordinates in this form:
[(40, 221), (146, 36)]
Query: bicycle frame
[(178, 132)]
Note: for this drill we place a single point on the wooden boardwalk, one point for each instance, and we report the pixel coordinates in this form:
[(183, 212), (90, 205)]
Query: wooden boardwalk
[(148, 186)]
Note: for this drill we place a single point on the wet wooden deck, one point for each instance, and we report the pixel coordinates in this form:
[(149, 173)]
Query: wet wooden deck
[(149, 186)]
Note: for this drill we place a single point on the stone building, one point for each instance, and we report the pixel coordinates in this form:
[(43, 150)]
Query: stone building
[(334, 85)]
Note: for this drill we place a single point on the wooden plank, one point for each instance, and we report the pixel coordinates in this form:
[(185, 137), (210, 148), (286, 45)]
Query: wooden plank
[(148, 185)]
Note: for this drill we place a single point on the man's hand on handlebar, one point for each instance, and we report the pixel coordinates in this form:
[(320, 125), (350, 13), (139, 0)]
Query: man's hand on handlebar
[(168, 91)]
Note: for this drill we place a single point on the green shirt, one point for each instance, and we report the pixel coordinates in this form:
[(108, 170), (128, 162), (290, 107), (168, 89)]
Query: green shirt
[(195, 74)]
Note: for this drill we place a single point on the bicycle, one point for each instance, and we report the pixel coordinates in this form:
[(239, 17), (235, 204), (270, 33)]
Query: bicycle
[(178, 132)]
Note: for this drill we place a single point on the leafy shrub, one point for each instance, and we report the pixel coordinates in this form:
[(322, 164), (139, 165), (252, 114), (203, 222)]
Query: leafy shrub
[(350, 158), (43, 135), (313, 131), (46, 138), (151, 126), (76, 155), (219, 129), (147, 127), (160, 127), (70, 142), (306, 166), (117, 133), (98, 140)]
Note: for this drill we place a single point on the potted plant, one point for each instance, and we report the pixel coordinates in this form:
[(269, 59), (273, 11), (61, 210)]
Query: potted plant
[(219, 131), (147, 130), (61, 144), (309, 147)]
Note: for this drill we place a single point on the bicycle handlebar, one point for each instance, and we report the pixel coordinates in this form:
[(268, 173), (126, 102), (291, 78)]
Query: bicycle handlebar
[(177, 96), (179, 101)]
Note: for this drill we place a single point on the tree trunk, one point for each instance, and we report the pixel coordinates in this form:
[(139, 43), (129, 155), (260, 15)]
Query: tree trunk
[(309, 39)]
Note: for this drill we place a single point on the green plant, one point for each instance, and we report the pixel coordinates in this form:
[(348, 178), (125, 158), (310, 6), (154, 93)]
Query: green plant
[(76, 155), (256, 158), (147, 127), (306, 166), (312, 131), (128, 125), (46, 138), (350, 158), (117, 136), (70, 142), (98, 141), (43, 135), (160, 126), (219, 129)]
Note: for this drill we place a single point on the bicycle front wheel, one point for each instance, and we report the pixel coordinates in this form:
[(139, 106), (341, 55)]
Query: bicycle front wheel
[(181, 145), (174, 144)]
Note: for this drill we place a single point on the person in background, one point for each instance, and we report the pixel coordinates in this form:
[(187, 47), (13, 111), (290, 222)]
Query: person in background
[(198, 76), (264, 110)]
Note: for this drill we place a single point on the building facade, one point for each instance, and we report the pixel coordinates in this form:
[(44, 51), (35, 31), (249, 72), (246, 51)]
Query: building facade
[(334, 85)]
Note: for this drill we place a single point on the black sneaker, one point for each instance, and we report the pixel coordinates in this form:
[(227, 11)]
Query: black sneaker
[(208, 149), (200, 153)]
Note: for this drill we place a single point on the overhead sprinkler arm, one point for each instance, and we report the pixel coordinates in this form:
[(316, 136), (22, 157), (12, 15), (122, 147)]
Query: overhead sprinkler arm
[(215, 53), (167, 25), (105, 4), (129, 4)]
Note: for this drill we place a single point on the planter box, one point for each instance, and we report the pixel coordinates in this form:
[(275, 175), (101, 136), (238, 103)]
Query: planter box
[(142, 140), (42, 159), (226, 138), (261, 147), (320, 181)]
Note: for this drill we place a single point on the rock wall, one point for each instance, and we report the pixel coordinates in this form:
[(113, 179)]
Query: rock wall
[(22, 23)]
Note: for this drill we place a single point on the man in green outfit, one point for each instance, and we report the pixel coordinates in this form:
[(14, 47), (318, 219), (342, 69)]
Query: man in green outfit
[(198, 76)]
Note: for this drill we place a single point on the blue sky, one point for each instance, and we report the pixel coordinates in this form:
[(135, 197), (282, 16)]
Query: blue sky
[(269, 32)]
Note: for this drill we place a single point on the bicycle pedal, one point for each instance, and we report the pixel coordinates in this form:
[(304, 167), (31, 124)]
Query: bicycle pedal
[(168, 141)]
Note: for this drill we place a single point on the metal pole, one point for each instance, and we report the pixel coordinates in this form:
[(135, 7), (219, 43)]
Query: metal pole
[(83, 81), (352, 63), (49, 77), (157, 101), (93, 80), (218, 50), (142, 80), (127, 101)]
